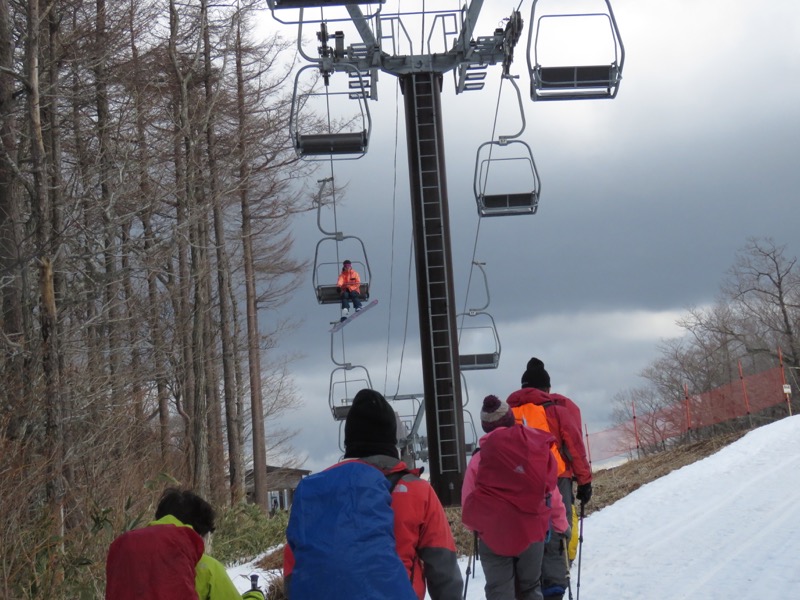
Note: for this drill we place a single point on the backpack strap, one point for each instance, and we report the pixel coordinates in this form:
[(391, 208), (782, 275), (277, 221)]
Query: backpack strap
[(394, 478)]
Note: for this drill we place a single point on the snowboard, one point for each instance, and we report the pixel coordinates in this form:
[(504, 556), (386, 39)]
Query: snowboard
[(338, 325)]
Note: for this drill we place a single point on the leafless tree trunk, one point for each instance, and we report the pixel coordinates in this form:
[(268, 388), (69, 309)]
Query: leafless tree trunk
[(253, 335), (47, 303), (12, 341)]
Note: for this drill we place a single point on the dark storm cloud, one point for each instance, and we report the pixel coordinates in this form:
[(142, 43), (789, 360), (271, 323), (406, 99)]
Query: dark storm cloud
[(645, 200)]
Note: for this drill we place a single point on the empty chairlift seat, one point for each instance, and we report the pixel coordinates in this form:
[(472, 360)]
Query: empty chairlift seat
[(482, 336), (490, 205), (318, 144), (590, 39), (575, 83), (472, 362), (344, 100), (345, 381), (277, 4), (501, 164)]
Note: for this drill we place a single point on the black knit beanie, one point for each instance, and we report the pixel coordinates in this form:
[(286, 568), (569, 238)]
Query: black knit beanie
[(495, 413), (370, 427), (535, 375)]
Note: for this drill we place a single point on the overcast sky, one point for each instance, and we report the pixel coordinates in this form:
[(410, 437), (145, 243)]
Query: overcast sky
[(645, 200)]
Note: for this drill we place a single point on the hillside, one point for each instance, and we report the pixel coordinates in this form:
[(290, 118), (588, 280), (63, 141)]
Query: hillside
[(609, 485)]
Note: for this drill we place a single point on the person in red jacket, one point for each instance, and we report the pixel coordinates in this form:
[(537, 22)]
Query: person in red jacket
[(564, 421), (423, 538)]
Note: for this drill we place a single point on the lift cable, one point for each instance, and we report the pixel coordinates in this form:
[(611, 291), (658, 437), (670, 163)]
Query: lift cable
[(478, 228), (392, 238)]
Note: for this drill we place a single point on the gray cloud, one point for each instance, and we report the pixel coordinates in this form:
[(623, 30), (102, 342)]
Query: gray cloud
[(645, 200)]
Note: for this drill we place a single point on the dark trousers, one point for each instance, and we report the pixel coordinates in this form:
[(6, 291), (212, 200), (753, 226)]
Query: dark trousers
[(348, 295), (510, 577), (555, 564)]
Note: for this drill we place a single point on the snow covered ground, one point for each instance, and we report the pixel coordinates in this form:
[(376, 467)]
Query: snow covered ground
[(722, 528)]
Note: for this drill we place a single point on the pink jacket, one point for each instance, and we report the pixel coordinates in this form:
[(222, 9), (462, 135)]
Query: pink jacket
[(557, 510)]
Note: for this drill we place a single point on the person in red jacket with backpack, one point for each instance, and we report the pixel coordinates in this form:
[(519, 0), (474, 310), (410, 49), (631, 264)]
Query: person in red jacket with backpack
[(563, 418), (338, 508), (511, 500)]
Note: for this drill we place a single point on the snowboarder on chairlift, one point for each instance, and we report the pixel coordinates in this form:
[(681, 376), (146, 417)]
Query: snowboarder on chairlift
[(349, 287)]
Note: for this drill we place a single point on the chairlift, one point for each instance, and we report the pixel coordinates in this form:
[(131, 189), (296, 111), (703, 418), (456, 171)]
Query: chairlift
[(476, 335), (324, 145), (297, 12), (488, 329), (410, 410), (326, 273), (278, 4), (506, 180), (469, 426), (593, 76), (342, 389)]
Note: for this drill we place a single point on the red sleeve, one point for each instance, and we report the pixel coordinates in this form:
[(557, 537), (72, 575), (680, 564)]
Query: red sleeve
[(573, 440), (288, 560), (424, 540)]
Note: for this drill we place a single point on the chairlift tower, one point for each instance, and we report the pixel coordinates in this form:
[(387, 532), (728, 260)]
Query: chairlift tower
[(421, 75)]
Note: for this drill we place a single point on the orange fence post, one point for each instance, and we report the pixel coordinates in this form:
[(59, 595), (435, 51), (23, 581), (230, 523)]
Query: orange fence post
[(787, 389), (688, 411), (744, 391), (588, 451), (636, 430)]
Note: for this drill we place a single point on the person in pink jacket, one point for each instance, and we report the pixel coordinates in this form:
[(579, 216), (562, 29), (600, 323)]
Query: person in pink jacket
[(510, 498)]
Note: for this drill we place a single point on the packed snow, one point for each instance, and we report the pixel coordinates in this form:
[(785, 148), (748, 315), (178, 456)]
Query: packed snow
[(724, 527)]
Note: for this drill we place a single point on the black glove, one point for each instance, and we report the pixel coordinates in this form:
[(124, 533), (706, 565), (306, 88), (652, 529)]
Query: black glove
[(584, 493), (339, 290)]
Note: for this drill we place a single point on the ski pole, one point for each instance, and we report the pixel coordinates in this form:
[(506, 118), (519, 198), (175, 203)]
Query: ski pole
[(565, 546), (469, 568), (475, 553), (580, 552)]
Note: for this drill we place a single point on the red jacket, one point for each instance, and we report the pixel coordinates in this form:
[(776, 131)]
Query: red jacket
[(564, 426), (423, 537), (155, 562)]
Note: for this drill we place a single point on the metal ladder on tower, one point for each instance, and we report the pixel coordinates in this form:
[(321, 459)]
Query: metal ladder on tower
[(441, 328)]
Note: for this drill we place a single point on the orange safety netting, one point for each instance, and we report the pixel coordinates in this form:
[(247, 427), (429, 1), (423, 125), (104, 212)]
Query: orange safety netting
[(654, 430)]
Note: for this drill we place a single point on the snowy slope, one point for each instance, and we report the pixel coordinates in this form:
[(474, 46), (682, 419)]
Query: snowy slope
[(722, 528)]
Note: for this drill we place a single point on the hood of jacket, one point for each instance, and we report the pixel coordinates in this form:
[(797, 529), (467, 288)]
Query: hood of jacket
[(528, 396)]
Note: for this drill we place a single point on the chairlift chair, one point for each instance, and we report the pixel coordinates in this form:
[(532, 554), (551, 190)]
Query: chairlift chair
[(469, 425), (575, 81), (278, 4), (494, 201), (342, 387), (480, 360), (324, 145), (326, 292), (298, 12), (507, 161)]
